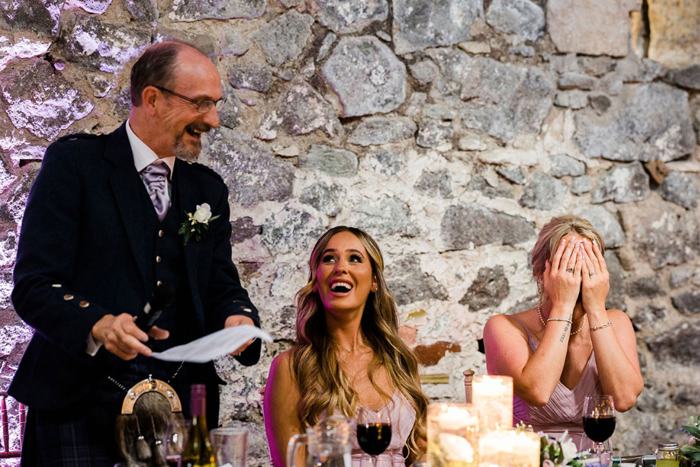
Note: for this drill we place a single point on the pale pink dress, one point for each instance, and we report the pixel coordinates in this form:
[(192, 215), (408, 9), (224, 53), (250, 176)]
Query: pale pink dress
[(564, 411), (403, 417)]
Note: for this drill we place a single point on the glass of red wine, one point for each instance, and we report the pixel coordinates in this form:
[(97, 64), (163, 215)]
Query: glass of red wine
[(599, 420), (373, 431)]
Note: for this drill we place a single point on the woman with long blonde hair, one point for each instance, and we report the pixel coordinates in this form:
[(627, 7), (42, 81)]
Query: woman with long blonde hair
[(570, 345), (347, 353)]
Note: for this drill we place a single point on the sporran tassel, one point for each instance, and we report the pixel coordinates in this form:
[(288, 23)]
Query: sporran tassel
[(143, 451)]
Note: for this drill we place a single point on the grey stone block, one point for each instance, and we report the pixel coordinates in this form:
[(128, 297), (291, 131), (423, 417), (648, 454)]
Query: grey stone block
[(623, 184), (419, 24), (681, 189), (465, 226), (194, 10), (285, 37), (654, 124), (348, 16), (335, 162), (543, 192), (382, 130), (366, 75), (521, 17)]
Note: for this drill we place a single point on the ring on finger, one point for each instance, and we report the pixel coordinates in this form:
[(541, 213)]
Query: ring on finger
[(591, 273), (571, 270)]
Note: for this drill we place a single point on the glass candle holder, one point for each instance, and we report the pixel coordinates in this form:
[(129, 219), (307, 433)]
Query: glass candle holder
[(493, 398), (452, 435), (509, 448)]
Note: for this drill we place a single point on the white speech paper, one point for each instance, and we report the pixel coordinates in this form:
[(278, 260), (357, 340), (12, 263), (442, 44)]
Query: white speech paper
[(214, 345)]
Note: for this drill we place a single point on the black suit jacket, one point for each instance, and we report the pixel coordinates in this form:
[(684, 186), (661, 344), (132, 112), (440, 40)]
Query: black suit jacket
[(81, 256)]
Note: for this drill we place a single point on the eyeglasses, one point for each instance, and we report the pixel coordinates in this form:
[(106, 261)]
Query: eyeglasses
[(203, 106)]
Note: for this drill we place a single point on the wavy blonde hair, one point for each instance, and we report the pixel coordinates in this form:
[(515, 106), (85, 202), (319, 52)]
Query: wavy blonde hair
[(550, 236), (323, 385)]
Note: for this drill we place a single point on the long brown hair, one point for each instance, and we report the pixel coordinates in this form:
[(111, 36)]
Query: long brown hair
[(323, 385)]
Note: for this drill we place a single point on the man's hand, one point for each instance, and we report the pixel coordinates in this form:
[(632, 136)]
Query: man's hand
[(238, 320), (122, 337)]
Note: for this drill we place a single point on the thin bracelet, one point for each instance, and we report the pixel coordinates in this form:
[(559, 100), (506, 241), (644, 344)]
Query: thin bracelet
[(609, 323), (559, 319)]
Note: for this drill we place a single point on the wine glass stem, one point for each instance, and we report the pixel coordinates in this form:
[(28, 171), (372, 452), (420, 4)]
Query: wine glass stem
[(599, 452), (374, 461)]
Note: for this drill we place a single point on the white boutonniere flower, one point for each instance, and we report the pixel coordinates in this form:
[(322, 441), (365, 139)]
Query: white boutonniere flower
[(197, 223)]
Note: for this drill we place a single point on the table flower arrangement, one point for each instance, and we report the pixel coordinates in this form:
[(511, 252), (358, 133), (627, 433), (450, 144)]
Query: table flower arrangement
[(692, 449)]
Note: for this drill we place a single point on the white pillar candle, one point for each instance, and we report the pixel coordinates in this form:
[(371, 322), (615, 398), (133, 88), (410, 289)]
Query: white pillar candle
[(452, 435), (508, 448), (493, 398)]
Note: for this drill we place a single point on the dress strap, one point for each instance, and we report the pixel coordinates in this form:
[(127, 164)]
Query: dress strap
[(530, 338)]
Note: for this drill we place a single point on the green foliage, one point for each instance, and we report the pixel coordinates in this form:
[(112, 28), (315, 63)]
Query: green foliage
[(191, 228), (692, 451), (692, 430)]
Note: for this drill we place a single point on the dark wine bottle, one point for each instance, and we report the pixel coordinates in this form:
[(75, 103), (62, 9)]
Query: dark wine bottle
[(198, 451)]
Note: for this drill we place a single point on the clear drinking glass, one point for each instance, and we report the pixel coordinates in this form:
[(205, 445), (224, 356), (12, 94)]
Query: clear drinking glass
[(373, 432), (174, 441), (599, 421), (230, 446)]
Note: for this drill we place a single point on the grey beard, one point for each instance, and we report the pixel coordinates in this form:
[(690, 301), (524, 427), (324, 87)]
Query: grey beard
[(185, 152)]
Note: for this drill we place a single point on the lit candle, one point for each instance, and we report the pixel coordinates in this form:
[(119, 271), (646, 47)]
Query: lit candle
[(509, 448), (493, 398), (452, 431), (526, 449)]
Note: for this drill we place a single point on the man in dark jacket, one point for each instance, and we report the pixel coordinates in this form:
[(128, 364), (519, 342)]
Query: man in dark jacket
[(99, 234)]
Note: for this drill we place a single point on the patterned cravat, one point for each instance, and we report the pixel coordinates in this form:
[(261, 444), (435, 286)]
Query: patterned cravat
[(155, 178)]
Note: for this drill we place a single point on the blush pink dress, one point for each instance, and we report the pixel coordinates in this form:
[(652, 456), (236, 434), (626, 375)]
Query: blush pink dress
[(564, 411), (403, 417)]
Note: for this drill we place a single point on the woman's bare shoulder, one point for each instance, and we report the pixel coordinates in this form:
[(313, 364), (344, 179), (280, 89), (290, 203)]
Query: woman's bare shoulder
[(512, 321), (282, 364), (509, 325), (619, 317)]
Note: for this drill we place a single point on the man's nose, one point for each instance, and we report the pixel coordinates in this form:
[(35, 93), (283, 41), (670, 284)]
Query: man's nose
[(211, 118)]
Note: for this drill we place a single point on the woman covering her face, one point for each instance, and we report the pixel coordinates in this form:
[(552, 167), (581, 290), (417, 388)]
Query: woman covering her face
[(569, 346), (347, 353)]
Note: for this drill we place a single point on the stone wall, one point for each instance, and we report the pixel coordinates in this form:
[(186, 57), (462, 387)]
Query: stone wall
[(451, 130)]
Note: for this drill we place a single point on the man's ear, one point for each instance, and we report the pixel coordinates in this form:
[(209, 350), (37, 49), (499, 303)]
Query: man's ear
[(149, 96)]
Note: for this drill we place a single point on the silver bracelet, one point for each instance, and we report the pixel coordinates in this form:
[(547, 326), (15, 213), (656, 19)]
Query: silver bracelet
[(609, 323), (559, 319)]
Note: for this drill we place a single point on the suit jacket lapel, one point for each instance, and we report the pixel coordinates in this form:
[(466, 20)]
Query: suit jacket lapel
[(126, 183), (186, 192)]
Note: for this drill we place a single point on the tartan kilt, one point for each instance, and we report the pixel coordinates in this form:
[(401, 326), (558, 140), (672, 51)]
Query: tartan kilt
[(83, 434)]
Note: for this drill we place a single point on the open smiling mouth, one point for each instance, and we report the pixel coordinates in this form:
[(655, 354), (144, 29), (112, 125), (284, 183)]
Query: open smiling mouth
[(193, 132), (341, 287)]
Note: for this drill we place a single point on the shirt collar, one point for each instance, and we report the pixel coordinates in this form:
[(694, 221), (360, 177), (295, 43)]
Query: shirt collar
[(143, 155)]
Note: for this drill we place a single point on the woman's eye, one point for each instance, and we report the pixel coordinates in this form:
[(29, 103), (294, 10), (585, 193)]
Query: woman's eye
[(355, 258), (328, 259)]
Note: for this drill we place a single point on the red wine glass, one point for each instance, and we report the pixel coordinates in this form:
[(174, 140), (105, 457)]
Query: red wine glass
[(373, 431), (599, 420)]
